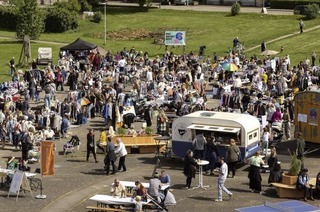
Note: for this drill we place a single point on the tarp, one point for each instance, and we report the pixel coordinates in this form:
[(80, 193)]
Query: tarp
[(78, 45)]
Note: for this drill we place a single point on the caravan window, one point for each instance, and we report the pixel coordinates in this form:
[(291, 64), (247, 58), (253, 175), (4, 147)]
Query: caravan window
[(222, 134), (252, 137), (222, 138)]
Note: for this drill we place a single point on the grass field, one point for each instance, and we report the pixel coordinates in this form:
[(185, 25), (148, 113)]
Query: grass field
[(130, 28)]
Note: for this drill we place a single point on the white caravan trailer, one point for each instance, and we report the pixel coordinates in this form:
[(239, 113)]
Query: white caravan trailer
[(243, 128)]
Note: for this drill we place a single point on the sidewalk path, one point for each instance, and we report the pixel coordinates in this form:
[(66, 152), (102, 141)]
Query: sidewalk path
[(284, 37)]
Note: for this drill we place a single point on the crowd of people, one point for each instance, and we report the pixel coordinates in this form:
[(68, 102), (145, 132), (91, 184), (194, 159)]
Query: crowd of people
[(168, 83)]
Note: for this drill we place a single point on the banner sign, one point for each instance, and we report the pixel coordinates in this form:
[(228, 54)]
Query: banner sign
[(47, 157), (175, 38)]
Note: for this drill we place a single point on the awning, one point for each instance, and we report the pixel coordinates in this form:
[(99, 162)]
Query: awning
[(214, 128)]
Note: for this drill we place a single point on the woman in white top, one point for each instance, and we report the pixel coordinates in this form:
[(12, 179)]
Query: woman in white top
[(121, 150), (254, 173)]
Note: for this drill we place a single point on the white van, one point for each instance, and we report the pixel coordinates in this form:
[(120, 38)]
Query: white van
[(44, 55), (243, 128)]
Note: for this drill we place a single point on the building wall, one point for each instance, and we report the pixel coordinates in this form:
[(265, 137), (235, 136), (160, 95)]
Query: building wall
[(48, 2), (253, 3)]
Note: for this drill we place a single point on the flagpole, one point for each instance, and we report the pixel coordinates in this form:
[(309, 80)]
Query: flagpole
[(41, 196)]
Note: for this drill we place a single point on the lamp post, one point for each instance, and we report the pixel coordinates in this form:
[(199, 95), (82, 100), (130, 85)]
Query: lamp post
[(105, 22)]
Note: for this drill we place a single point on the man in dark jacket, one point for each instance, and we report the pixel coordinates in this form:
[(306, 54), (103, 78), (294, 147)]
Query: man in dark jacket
[(91, 145), (111, 157)]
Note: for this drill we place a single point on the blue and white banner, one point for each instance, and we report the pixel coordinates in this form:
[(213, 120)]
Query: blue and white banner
[(176, 38)]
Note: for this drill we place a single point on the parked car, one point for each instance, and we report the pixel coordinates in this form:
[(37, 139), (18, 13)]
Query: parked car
[(299, 9), (167, 2), (183, 2)]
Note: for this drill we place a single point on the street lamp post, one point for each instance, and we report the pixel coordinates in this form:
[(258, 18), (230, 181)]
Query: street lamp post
[(105, 21)]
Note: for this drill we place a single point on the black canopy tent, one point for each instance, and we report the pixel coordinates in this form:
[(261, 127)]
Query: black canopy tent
[(78, 45)]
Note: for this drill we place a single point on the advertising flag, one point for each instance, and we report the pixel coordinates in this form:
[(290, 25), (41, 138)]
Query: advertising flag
[(47, 158)]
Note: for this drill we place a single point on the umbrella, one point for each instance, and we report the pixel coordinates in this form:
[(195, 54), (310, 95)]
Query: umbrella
[(227, 66), (84, 101), (269, 52)]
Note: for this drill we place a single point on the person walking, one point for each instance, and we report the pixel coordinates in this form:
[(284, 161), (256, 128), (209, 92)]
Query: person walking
[(190, 167), (91, 145), (263, 46), (286, 123), (232, 157), (12, 67), (111, 157), (3, 133), (313, 58), (121, 150), (223, 171), (254, 172), (199, 145), (301, 25)]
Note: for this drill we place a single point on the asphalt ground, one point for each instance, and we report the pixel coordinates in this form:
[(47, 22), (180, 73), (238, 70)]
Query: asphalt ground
[(75, 180)]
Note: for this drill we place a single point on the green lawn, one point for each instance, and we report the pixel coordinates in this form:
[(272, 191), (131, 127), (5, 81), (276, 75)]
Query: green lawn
[(215, 30)]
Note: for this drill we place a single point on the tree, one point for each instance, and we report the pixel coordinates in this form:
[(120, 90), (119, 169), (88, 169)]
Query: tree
[(312, 11), (30, 20)]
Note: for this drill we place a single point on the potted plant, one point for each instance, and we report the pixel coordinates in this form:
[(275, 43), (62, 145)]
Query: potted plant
[(149, 131), (290, 178), (121, 131)]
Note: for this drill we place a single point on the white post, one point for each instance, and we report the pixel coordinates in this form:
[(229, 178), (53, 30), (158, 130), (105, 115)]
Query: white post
[(264, 10)]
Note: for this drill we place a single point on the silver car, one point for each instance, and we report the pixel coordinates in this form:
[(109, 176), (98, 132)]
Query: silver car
[(183, 2)]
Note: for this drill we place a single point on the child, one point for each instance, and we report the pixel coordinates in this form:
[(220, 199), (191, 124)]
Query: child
[(138, 205)]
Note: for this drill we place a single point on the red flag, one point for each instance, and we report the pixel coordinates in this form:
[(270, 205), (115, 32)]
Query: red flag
[(47, 158)]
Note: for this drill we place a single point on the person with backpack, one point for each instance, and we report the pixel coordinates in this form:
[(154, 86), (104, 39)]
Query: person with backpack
[(26, 144), (303, 183)]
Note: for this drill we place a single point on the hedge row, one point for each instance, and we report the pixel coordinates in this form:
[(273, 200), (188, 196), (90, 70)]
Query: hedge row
[(56, 20), (8, 18), (290, 4)]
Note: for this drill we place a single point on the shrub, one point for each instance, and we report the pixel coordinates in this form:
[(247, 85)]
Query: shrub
[(312, 11), (290, 4), (295, 166), (149, 130), (235, 9), (97, 17), (60, 20), (121, 131)]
